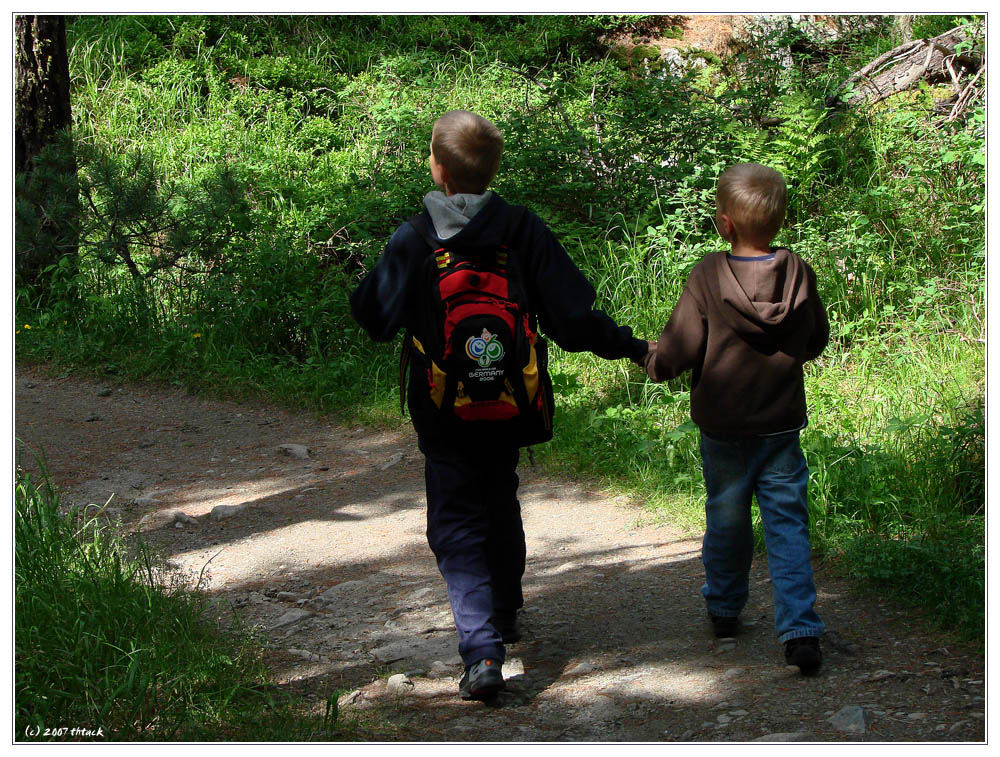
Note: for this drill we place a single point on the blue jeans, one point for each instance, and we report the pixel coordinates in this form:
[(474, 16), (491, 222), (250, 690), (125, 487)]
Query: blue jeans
[(773, 468)]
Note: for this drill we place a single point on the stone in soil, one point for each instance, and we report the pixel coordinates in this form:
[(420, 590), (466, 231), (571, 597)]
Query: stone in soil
[(418, 595), (850, 719), (168, 517), (440, 670), (581, 668), (512, 666), (350, 698), (298, 451), (881, 675), (224, 512), (335, 592), (391, 461), (291, 618), (181, 517), (411, 651), (399, 684), (599, 711), (794, 736)]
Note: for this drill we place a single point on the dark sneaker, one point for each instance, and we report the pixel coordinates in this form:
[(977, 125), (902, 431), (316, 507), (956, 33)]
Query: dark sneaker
[(481, 681), (724, 626), (508, 628), (804, 652)]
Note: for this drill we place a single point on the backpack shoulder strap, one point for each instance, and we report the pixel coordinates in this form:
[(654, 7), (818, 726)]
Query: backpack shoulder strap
[(516, 265), (419, 223), (442, 256)]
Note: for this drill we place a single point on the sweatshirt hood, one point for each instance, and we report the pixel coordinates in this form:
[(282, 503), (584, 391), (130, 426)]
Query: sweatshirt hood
[(778, 291), (451, 214), (468, 223)]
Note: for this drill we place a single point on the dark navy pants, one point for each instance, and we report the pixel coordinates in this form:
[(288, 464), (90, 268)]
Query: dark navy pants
[(474, 529)]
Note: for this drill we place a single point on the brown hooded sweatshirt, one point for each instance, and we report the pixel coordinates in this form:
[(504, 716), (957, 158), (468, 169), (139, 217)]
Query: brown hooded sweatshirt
[(744, 327)]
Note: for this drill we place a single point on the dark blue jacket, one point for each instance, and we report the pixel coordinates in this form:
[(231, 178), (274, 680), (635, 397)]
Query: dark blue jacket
[(557, 292)]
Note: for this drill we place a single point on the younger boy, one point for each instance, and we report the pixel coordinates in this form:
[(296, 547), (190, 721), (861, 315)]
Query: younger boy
[(473, 515), (745, 323)]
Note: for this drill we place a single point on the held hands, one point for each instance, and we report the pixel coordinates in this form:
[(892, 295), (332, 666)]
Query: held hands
[(642, 363)]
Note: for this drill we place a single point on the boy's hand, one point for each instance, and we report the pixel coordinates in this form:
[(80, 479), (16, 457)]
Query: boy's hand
[(642, 363)]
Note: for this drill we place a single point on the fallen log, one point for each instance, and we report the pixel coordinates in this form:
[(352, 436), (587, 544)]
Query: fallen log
[(934, 60)]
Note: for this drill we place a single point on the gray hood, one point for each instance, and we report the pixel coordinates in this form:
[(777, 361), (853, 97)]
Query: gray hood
[(451, 214)]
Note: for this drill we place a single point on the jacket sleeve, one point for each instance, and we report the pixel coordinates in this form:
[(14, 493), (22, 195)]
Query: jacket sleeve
[(379, 303), (821, 324), (681, 345), (564, 301)]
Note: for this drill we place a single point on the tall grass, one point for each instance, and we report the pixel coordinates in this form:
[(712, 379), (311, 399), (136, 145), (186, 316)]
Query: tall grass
[(104, 641)]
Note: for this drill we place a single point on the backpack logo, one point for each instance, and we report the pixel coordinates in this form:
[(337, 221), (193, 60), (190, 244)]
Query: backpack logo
[(484, 349)]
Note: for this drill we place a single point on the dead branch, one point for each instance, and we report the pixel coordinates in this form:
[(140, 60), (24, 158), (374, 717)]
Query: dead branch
[(967, 96), (936, 59)]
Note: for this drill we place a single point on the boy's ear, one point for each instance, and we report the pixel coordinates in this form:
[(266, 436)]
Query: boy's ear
[(728, 229), (445, 174)]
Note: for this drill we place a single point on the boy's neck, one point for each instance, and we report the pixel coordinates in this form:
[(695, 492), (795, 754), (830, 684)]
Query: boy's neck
[(750, 249)]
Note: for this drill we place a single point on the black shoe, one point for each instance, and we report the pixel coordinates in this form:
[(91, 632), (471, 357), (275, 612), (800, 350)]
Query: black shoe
[(805, 653), (481, 681), (725, 626), (508, 627)]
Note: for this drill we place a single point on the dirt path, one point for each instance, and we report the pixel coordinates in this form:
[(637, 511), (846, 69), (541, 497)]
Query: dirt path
[(328, 556)]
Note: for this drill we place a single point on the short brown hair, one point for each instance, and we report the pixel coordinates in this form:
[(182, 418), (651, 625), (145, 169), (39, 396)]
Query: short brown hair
[(469, 146), (753, 196)]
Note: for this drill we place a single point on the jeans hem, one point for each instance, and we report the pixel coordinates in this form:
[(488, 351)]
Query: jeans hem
[(801, 633), (724, 613), (484, 653)]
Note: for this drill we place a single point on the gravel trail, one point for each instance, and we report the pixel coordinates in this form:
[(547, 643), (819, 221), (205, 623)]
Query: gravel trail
[(321, 545)]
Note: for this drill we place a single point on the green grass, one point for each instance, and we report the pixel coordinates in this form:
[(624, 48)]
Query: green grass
[(104, 639)]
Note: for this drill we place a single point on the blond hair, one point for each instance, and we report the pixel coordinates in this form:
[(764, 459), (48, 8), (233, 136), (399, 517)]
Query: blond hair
[(753, 196), (469, 146)]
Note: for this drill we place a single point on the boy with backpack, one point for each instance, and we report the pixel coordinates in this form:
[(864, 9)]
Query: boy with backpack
[(470, 279), (745, 323)]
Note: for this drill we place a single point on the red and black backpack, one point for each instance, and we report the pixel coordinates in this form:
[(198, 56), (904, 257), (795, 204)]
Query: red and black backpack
[(477, 341)]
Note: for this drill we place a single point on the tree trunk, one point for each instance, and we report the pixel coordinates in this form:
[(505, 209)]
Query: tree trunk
[(42, 118), (41, 104)]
